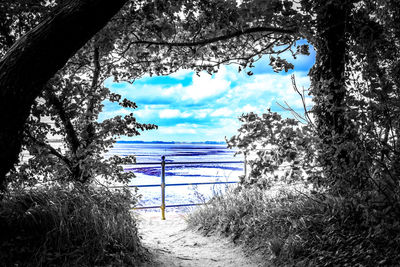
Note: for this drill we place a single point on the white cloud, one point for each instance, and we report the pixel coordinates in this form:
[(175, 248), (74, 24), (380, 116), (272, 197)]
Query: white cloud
[(226, 112), (248, 108), (183, 106), (259, 92), (204, 86), (186, 114), (146, 112), (172, 91), (188, 125), (173, 113), (181, 74), (169, 113), (202, 113)]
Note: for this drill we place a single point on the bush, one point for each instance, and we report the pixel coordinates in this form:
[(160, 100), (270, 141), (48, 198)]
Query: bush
[(68, 227), (304, 229)]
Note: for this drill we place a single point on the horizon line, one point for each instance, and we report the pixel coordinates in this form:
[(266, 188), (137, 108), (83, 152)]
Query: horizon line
[(172, 142)]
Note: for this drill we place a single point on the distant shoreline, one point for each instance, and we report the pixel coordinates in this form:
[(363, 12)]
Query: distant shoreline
[(154, 142), (171, 142)]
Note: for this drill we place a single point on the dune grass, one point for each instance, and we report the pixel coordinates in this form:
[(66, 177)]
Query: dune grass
[(68, 227), (293, 229)]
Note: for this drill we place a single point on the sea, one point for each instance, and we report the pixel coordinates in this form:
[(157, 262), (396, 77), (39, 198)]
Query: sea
[(189, 169)]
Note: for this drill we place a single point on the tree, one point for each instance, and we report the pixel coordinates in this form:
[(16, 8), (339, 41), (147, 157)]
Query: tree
[(274, 145), (330, 37), (375, 93), (355, 91), (159, 37), (46, 48), (35, 58), (68, 109), (277, 149)]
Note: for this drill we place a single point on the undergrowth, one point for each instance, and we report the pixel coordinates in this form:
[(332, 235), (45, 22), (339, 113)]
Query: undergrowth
[(68, 227), (293, 229)]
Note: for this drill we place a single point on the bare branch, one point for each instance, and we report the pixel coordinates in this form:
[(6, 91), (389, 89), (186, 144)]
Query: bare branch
[(294, 113), (303, 100)]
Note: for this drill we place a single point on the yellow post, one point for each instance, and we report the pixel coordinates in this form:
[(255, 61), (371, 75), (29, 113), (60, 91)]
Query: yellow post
[(245, 165), (163, 188)]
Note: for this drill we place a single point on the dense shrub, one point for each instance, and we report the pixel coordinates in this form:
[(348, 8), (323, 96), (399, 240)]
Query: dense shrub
[(305, 229), (68, 227)]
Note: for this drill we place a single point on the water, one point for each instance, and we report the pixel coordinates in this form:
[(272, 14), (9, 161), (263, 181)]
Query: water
[(185, 173)]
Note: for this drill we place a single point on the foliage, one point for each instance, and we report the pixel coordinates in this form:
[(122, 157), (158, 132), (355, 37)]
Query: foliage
[(122, 50), (272, 144), (68, 109), (355, 90), (354, 84), (375, 92), (69, 227), (164, 36), (160, 37), (18, 17), (302, 229), (152, 37), (72, 106)]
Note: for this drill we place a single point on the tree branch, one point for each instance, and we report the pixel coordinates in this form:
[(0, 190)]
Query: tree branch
[(51, 149), (89, 127), (214, 39), (303, 100), (72, 137)]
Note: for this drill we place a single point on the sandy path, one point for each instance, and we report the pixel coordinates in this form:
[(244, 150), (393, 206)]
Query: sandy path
[(174, 245)]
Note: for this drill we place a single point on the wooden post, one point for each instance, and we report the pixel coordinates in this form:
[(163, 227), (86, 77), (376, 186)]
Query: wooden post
[(163, 188)]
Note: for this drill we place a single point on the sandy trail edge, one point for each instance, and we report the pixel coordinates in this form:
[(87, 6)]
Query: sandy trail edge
[(172, 244)]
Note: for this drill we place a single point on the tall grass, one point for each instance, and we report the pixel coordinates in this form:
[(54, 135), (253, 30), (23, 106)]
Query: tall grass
[(293, 229), (68, 227)]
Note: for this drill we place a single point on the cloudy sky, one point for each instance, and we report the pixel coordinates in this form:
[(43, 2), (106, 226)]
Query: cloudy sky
[(188, 107)]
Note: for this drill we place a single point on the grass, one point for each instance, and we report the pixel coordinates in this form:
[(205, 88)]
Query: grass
[(68, 227), (293, 229)]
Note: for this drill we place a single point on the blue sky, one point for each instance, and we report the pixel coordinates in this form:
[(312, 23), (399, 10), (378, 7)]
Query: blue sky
[(188, 107)]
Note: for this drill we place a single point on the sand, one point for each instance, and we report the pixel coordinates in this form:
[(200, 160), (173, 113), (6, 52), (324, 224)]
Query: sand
[(172, 244)]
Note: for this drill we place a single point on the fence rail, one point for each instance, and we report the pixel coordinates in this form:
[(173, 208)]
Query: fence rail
[(163, 185)]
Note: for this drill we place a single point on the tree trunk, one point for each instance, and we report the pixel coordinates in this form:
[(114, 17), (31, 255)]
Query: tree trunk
[(35, 58), (327, 75), (328, 87)]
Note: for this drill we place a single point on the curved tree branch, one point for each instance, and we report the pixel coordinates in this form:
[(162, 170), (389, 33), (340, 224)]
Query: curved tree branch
[(214, 39)]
